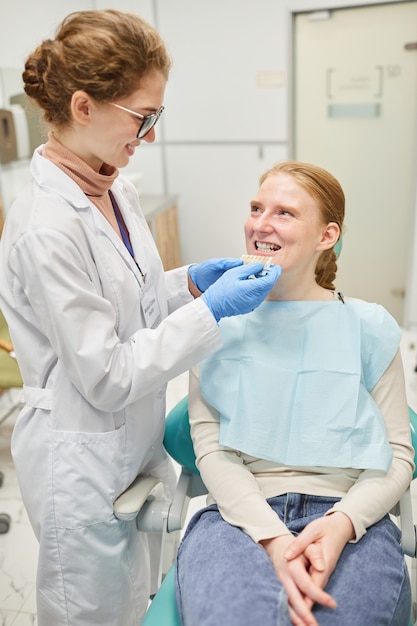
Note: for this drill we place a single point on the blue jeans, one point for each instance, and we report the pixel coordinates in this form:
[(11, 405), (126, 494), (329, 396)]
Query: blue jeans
[(224, 578)]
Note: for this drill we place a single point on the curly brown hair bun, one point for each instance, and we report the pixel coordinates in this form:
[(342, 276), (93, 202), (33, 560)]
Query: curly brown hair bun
[(105, 53)]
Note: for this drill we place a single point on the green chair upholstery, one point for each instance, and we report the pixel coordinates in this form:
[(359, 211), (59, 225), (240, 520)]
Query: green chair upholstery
[(163, 610), (413, 427), (9, 371), (177, 439)]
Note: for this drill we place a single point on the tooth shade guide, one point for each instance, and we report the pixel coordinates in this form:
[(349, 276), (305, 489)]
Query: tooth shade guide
[(257, 258)]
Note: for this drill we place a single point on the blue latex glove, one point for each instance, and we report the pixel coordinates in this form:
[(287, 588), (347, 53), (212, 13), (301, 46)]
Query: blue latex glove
[(205, 274), (233, 294)]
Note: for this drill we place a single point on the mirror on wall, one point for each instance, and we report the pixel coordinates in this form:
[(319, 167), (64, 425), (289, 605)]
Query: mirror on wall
[(21, 125)]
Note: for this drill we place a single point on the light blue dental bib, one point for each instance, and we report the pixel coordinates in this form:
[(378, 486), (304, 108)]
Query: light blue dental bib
[(292, 383)]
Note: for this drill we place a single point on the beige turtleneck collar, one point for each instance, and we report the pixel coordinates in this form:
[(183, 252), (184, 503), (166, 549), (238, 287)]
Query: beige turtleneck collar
[(94, 184)]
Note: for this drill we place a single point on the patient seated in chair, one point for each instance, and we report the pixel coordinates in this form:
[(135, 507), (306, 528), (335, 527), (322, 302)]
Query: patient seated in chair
[(301, 432)]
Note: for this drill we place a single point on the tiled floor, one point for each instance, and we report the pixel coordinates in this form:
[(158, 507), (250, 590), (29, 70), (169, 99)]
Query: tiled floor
[(18, 548)]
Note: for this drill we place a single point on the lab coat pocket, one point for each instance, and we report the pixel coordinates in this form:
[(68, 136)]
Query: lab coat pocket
[(87, 473)]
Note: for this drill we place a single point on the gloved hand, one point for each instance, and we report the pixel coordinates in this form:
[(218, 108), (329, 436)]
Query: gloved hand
[(205, 274), (234, 294)]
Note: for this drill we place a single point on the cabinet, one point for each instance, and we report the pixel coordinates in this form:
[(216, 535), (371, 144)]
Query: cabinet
[(162, 216)]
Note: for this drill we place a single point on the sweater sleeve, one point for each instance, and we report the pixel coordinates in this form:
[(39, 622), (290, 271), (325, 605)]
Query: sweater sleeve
[(375, 493), (228, 480)]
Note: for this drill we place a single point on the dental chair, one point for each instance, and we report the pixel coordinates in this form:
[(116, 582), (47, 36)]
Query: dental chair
[(140, 501), (10, 381)]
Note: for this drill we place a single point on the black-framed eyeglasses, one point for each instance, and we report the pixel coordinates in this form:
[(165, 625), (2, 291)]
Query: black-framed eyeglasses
[(148, 121)]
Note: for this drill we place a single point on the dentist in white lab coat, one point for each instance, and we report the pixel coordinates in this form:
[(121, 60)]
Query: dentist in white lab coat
[(98, 327)]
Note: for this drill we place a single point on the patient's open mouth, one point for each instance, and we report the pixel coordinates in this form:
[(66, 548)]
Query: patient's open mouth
[(267, 247)]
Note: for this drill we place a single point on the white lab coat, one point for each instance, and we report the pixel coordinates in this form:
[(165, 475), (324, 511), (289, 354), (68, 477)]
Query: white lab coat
[(94, 385)]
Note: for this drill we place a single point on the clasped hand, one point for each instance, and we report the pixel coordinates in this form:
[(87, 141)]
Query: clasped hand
[(304, 564)]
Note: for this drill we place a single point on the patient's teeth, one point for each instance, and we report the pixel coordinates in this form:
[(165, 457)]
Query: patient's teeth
[(266, 246)]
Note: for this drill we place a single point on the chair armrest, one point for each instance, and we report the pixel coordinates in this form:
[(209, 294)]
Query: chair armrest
[(127, 506), (408, 530), (157, 514), (152, 513), (189, 486)]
